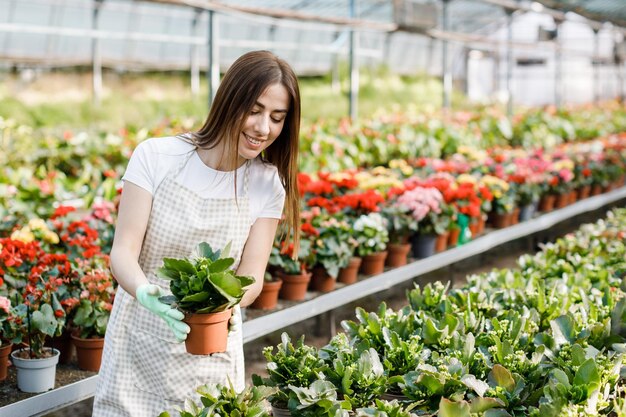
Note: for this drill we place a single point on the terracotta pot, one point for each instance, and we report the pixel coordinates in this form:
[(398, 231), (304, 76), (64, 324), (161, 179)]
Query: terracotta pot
[(294, 286), (515, 216), (573, 196), (5, 351), (268, 298), (453, 238), (442, 242), (596, 189), (584, 192), (481, 224), (209, 332), (546, 204), (88, 352), (473, 226), (397, 254), (321, 280), (500, 220), (349, 274), (64, 345), (561, 201), (373, 264)]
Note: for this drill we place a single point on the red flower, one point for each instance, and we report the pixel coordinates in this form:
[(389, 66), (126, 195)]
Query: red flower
[(309, 229)]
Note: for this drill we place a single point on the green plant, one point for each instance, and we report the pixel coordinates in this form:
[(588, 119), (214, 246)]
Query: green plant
[(400, 224), (204, 284), (382, 408), (317, 400), (282, 259), (290, 366), (370, 231), (333, 247), (224, 401), (8, 329)]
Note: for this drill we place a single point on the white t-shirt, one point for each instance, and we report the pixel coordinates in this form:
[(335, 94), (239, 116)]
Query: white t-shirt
[(155, 158)]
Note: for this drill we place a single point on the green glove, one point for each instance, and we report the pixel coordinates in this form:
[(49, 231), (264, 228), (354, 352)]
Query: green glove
[(148, 296)]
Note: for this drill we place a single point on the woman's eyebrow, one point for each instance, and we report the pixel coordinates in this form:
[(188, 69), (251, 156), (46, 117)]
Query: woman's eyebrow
[(256, 103)]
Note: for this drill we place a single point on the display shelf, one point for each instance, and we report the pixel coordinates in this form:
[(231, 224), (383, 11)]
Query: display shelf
[(261, 326)]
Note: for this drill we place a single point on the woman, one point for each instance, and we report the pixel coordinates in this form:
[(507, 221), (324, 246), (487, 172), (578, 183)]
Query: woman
[(226, 182)]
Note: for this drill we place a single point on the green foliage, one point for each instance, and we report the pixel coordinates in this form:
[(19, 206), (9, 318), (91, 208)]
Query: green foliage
[(204, 284)]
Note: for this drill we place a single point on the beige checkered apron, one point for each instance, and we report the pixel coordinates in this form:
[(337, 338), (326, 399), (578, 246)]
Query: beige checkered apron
[(144, 371)]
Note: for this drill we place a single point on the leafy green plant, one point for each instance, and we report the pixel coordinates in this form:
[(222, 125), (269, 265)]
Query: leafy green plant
[(222, 400), (317, 400), (204, 284), (290, 366), (382, 408)]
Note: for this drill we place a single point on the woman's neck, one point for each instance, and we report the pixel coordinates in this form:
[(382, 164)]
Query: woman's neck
[(217, 158)]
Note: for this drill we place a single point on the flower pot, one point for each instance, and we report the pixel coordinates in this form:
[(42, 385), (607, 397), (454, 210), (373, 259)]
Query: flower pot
[(473, 226), (561, 200), (294, 286), (596, 189), (209, 332), (64, 345), (442, 242), (35, 375), (5, 351), (280, 412), (453, 238), (500, 220), (546, 204), (573, 195), (526, 212), (88, 352), (584, 192), (397, 254), (268, 298), (514, 219), (374, 263), (423, 246), (321, 281), (481, 224), (349, 273)]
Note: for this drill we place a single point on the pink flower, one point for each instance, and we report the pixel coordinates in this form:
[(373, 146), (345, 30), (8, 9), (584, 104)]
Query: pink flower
[(5, 304)]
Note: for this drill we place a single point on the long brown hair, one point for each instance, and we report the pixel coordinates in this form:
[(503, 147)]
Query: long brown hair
[(244, 82)]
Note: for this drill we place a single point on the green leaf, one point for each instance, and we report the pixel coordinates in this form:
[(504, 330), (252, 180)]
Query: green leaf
[(168, 299), (470, 381), (588, 375), (197, 297), (182, 265), (501, 377), (44, 321), (449, 408), (563, 330), (226, 251), (221, 265), (480, 405)]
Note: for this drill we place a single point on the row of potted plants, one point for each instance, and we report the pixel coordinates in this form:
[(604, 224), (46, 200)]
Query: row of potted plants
[(362, 220), (543, 339)]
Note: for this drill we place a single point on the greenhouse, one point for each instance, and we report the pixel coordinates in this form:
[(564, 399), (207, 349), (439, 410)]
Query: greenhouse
[(312, 208)]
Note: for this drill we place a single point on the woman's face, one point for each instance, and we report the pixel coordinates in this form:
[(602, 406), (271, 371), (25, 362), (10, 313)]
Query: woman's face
[(265, 122)]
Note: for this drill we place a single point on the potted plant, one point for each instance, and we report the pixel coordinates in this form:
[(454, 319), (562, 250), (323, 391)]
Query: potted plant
[(222, 400), (205, 289), (268, 298), (382, 408), (292, 272), (40, 316), (503, 202), (92, 316), (426, 204), (289, 366), (401, 226), (370, 232), (332, 249)]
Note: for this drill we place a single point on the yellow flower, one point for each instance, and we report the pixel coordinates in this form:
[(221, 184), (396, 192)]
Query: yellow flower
[(564, 164), (24, 235), (463, 178), (37, 224), (51, 237)]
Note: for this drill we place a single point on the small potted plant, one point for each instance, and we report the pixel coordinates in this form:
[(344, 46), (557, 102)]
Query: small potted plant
[(268, 298), (222, 400), (370, 231), (92, 316), (292, 272), (289, 366), (8, 334), (332, 249), (206, 290), (425, 204), (40, 316), (401, 226)]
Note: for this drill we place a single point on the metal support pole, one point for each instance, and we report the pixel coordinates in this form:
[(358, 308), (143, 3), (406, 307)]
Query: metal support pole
[(96, 55), (509, 63), (596, 65), (354, 67), (194, 56), (558, 72), (214, 57), (445, 65)]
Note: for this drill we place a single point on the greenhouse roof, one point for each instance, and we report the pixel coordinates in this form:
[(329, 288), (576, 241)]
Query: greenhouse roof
[(613, 11)]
